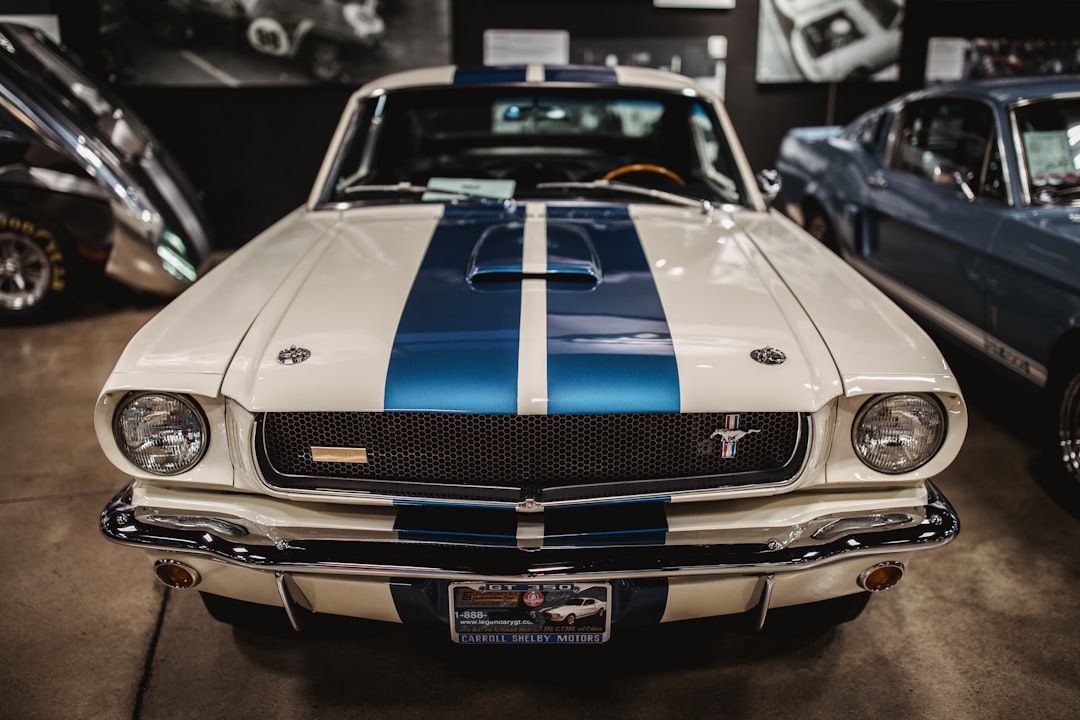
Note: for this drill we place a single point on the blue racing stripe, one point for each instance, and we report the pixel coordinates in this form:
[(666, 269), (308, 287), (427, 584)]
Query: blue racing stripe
[(443, 524), (615, 524), (456, 348), (594, 74), (472, 74), (609, 350)]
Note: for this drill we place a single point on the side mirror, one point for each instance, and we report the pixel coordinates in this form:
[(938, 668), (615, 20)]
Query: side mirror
[(769, 183)]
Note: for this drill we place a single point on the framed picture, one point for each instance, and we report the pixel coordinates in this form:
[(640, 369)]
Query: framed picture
[(955, 58), (270, 42), (834, 41), (698, 4), (37, 13)]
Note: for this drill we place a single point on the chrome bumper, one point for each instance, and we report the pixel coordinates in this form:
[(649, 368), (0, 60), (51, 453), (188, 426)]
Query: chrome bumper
[(607, 556)]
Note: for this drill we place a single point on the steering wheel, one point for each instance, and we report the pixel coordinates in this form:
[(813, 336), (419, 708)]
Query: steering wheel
[(643, 167)]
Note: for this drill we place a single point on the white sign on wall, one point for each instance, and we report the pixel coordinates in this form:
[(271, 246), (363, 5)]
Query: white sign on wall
[(517, 47)]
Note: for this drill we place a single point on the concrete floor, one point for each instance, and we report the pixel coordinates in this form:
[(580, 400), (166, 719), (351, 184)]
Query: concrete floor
[(988, 627)]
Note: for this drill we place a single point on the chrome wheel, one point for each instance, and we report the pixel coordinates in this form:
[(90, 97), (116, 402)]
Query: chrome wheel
[(25, 273), (1069, 427)]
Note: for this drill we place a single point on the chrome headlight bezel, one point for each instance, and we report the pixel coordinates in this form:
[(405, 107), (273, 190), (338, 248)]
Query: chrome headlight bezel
[(890, 450), (184, 437)]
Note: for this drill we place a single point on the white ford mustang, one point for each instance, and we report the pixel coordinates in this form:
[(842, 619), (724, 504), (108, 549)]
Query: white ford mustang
[(536, 330)]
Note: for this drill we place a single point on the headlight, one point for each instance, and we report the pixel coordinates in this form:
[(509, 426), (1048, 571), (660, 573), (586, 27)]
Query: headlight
[(898, 433), (161, 433)]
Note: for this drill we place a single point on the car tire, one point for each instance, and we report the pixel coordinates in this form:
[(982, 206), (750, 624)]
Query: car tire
[(248, 616), (39, 271), (1065, 399), (815, 618), (571, 619), (818, 225)]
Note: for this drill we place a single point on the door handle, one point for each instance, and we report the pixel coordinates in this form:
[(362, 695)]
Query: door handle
[(877, 181)]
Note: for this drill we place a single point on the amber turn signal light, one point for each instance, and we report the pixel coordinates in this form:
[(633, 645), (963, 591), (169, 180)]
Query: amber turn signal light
[(881, 576), (176, 574)]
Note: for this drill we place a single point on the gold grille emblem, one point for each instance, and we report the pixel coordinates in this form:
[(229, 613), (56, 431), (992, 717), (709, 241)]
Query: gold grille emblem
[(339, 454)]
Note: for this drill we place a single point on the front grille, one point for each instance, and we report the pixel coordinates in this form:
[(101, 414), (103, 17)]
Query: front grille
[(547, 458)]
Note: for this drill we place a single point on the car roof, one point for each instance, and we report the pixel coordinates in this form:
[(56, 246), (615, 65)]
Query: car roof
[(1006, 91), (563, 75)]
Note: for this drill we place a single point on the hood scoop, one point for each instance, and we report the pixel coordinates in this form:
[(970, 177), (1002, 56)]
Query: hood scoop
[(498, 261)]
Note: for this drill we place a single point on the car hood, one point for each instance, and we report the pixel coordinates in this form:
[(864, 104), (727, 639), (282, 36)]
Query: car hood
[(536, 309)]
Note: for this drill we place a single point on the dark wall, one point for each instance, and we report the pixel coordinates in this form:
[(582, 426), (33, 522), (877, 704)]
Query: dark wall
[(254, 151), (763, 112)]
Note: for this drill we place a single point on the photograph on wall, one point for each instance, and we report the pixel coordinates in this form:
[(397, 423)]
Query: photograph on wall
[(696, 4), (952, 58), (702, 58), (47, 22), (829, 40), (270, 42)]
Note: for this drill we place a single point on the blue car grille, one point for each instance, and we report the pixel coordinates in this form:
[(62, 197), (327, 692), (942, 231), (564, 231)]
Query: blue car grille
[(547, 458)]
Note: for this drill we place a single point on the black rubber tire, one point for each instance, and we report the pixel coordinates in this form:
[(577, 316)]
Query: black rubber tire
[(815, 618), (1064, 397), (818, 225), (40, 271)]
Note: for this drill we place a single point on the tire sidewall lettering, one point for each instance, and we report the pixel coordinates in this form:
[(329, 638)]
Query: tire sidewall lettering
[(47, 242)]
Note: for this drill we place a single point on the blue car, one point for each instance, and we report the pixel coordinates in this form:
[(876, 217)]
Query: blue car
[(962, 201)]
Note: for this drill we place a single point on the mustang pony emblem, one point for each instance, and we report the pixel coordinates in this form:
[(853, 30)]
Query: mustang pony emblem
[(726, 437)]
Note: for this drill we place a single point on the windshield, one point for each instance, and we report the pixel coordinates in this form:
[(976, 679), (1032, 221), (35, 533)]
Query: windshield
[(515, 143), (1049, 134)]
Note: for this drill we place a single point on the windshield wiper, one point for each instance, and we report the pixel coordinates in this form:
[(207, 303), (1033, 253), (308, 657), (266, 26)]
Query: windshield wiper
[(701, 204), (409, 188)]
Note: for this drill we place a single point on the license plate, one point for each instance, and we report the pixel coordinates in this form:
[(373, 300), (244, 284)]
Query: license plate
[(530, 613)]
